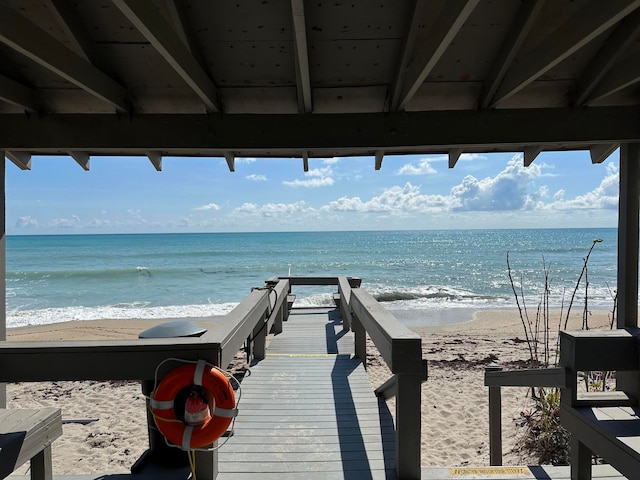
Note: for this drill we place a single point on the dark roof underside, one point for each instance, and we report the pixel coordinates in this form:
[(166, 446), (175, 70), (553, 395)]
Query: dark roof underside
[(267, 78)]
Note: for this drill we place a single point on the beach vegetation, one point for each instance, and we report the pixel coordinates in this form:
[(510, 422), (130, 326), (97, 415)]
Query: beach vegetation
[(543, 436)]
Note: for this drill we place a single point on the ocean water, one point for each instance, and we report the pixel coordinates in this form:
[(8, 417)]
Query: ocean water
[(422, 276)]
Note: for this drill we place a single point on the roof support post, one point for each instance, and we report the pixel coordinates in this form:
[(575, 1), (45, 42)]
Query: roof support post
[(3, 269), (628, 230)]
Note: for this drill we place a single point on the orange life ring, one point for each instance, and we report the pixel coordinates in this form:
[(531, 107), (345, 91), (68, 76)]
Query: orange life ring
[(215, 383)]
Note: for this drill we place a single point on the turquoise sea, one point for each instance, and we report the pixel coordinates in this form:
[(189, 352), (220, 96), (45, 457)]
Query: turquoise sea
[(416, 274)]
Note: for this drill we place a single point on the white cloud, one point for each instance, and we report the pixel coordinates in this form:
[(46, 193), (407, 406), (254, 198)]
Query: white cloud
[(99, 223), (72, 222), (272, 209), (26, 222), (331, 161), (245, 160), (396, 200), (604, 196), (135, 217), (511, 189), (424, 167), (256, 178), (208, 206), (317, 177)]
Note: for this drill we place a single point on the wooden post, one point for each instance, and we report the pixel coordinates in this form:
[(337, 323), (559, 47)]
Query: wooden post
[(495, 419), (628, 231), (278, 322), (3, 270), (207, 464), (408, 426), (359, 339), (41, 465), (260, 339), (580, 460)]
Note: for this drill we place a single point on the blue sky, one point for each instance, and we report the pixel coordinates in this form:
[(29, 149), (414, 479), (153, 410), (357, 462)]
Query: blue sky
[(127, 195)]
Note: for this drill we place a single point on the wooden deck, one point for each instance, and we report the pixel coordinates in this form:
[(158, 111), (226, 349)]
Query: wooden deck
[(309, 411)]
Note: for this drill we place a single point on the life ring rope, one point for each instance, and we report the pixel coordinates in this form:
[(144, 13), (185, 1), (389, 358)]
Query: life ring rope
[(222, 416)]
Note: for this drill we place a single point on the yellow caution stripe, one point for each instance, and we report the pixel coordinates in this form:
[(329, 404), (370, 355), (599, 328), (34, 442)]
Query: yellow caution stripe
[(460, 471)]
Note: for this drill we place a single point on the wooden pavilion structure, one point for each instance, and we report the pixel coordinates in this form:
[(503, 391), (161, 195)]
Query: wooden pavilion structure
[(303, 79)]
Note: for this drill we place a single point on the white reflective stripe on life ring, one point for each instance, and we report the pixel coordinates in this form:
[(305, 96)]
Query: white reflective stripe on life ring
[(186, 438), (225, 412), (160, 404), (198, 373)]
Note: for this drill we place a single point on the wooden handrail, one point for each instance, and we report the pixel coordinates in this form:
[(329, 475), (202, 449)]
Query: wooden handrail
[(129, 359), (495, 378), (402, 351), (317, 280), (400, 347)]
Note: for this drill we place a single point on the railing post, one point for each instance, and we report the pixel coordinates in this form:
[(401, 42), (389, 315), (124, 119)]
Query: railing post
[(495, 419), (408, 426), (207, 464), (277, 324), (359, 339), (260, 339)]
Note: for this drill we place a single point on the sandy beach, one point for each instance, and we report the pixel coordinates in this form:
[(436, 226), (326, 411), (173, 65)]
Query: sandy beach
[(454, 399)]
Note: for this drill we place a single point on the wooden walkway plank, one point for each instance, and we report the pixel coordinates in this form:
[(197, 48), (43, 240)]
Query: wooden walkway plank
[(309, 411)]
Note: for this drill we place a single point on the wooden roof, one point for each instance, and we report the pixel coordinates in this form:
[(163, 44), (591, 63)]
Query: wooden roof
[(275, 78)]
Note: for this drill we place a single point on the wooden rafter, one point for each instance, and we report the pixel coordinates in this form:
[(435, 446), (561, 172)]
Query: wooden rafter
[(24, 37), (156, 29), (82, 158), (590, 22), (302, 56), (525, 18), (427, 54), (17, 94), (608, 55), (156, 160)]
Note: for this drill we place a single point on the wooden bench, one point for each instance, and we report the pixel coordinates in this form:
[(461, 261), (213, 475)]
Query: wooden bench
[(607, 423), (27, 435)]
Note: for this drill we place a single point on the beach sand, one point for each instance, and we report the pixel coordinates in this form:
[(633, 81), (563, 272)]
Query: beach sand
[(455, 428)]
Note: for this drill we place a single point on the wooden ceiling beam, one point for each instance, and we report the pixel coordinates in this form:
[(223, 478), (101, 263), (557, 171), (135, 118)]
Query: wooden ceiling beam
[(144, 15), (592, 20), (303, 84), (611, 51), (428, 53), (75, 30), (416, 19), (599, 153), (454, 156), (156, 160), (270, 135), (22, 160), (19, 34), (379, 157), (82, 158), (530, 154), (621, 76), (17, 94), (231, 161), (522, 24)]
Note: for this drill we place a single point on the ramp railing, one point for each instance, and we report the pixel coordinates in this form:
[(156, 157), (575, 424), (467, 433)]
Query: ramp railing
[(263, 311)]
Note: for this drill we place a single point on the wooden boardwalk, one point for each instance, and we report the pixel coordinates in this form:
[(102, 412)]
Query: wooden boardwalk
[(309, 411)]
